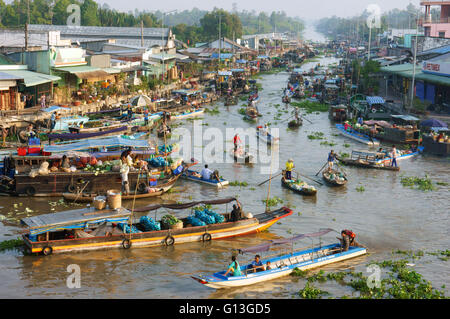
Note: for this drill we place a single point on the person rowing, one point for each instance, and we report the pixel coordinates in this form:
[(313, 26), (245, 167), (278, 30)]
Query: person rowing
[(236, 142), (289, 167), (348, 239), (331, 158)]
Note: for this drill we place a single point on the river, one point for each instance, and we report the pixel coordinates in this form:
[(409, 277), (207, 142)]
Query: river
[(386, 216)]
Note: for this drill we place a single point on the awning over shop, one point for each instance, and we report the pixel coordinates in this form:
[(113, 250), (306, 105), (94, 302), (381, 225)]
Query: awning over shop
[(84, 71), (374, 100), (406, 70), (223, 56), (32, 78), (111, 70)]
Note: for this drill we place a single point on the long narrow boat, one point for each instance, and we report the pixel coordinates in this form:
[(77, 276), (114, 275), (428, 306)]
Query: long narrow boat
[(251, 114), (284, 264), (187, 114), (334, 178), (243, 157), (367, 159), (299, 187), (78, 136), (90, 229), (192, 175), (357, 136), (407, 155), (152, 191)]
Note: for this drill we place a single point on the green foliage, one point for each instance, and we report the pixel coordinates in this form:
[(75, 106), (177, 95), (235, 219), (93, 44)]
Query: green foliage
[(231, 26), (316, 136), (11, 244), (311, 106), (273, 201), (424, 184), (299, 273), (360, 189), (169, 220), (238, 183), (311, 292)]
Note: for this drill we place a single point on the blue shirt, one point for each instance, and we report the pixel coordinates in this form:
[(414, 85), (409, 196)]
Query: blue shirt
[(331, 157), (53, 117), (257, 264)]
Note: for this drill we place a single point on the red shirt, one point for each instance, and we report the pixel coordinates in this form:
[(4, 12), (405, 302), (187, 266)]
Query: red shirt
[(236, 139)]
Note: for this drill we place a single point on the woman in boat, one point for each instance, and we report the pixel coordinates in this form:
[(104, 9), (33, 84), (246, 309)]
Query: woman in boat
[(289, 167), (234, 268), (394, 156), (124, 170), (65, 164)]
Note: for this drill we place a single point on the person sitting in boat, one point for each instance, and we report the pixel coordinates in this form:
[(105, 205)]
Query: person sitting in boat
[(347, 126), (257, 264), (289, 167), (65, 164), (234, 268), (236, 213), (331, 158), (360, 120), (30, 132), (146, 117), (206, 173), (268, 266)]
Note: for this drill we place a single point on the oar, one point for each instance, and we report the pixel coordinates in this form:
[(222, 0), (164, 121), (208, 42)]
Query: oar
[(309, 178), (321, 168), (81, 192), (270, 179)]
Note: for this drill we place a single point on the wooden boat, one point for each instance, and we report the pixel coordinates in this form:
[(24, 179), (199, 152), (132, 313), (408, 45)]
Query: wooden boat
[(334, 178), (404, 155), (367, 159), (286, 99), (357, 136), (143, 192), (90, 229), (105, 126), (302, 188), (78, 136), (266, 136), (338, 113), (231, 100), (251, 113), (282, 264), (242, 157), (295, 123), (192, 175)]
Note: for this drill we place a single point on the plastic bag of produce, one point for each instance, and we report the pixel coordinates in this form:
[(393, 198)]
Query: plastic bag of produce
[(149, 224), (217, 217), (194, 221), (208, 219)]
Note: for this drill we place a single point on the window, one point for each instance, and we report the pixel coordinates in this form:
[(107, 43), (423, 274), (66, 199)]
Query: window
[(441, 34)]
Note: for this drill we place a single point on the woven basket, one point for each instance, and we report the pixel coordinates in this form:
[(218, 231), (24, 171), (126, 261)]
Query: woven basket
[(114, 199), (178, 225)]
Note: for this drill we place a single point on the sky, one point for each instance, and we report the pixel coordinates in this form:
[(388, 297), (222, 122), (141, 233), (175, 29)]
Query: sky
[(306, 9)]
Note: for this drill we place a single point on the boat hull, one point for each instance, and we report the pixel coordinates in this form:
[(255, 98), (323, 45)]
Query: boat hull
[(158, 238), (281, 268), (302, 191), (359, 137), (188, 175), (333, 182)]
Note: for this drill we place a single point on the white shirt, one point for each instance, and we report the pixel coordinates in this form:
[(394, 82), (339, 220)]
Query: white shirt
[(206, 173)]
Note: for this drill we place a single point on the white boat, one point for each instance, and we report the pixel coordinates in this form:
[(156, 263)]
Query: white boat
[(357, 136), (187, 114), (193, 176), (387, 160), (282, 265)]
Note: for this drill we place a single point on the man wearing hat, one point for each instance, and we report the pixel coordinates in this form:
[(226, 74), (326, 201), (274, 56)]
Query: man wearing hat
[(289, 167)]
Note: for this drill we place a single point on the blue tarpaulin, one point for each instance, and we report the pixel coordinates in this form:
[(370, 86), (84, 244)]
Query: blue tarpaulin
[(55, 108), (374, 100), (263, 57), (223, 56), (241, 61), (225, 73), (237, 70), (96, 143)]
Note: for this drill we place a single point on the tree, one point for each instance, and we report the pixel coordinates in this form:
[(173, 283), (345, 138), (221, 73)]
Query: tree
[(230, 23), (89, 13)]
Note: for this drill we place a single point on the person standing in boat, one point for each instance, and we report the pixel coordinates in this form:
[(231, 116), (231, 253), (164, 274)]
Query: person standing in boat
[(394, 156), (124, 170), (234, 268), (236, 142), (236, 213), (146, 117), (52, 121), (331, 158), (289, 167)]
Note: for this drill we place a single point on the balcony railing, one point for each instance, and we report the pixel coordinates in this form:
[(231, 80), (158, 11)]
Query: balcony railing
[(423, 21)]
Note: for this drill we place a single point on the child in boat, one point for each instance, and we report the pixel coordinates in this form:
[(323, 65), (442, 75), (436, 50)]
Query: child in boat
[(234, 268), (268, 266)]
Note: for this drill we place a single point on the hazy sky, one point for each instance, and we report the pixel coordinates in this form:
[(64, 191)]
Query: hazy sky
[(311, 9)]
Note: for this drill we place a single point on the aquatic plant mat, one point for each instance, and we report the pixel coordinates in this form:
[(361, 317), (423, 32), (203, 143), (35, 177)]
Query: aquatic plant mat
[(398, 279)]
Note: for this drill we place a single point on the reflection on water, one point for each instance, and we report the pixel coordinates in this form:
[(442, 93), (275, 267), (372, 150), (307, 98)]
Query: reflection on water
[(385, 216)]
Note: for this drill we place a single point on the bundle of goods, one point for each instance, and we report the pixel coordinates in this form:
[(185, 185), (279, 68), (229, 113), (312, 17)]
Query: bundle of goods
[(126, 228), (171, 221), (217, 217), (43, 170), (159, 162), (149, 223), (338, 177), (300, 185), (194, 221), (165, 149), (203, 216)]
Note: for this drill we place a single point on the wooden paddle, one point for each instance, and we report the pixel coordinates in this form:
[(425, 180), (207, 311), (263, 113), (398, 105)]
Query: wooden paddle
[(270, 179), (309, 178), (321, 168)]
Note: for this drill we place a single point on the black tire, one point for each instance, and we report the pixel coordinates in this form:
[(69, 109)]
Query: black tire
[(126, 243), (30, 191), (70, 188), (47, 250), (169, 240), (206, 237)]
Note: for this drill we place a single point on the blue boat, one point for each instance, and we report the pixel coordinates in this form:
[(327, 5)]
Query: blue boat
[(284, 264), (194, 176), (357, 136)]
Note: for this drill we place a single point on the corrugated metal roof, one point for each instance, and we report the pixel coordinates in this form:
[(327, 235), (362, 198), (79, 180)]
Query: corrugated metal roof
[(440, 50), (406, 70), (32, 78), (9, 77), (374, 100)]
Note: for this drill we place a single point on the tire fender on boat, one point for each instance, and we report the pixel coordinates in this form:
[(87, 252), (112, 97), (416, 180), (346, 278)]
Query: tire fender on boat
[(30, 191), (47, 250), (126, 243), (206, 237), (169, 240), (70, 188)]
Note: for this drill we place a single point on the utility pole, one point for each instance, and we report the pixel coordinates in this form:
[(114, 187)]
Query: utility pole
[(142, 33), (26, 37), (414, 64), (220, 38)]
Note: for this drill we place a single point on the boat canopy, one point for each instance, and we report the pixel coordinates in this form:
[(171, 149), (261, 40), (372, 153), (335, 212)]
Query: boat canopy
[(186, 205), (406, 118), (97, 143), (276, 242), (379, 123), (73, 219)]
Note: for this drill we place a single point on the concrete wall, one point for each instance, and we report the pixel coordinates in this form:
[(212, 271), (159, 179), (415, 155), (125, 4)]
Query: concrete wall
[(428, 43), (99, 61)]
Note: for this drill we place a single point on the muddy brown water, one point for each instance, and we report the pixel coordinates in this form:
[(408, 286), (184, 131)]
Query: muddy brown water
[(386, 216)]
